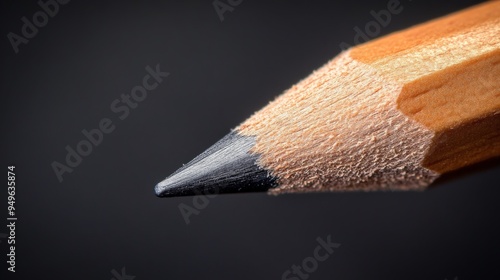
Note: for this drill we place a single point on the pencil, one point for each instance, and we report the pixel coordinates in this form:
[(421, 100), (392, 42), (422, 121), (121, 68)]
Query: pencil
[(391, 114)]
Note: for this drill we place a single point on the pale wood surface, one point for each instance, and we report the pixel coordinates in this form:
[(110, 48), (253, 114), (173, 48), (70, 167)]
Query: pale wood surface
[(394, 113), (450, 69)]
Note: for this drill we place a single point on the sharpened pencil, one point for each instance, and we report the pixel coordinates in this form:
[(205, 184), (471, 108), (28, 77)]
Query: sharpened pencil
[(391, 114)]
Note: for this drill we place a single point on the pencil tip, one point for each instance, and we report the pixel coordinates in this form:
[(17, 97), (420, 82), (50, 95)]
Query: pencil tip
[(227, 167)]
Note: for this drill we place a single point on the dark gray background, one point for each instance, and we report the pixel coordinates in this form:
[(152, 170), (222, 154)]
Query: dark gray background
[(104, 214)]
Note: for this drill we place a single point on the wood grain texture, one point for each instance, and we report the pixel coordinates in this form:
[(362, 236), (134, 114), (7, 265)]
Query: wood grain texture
[(450, 71), (393, 113)]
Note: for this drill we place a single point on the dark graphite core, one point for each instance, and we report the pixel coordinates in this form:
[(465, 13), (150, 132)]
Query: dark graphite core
[(226, 167)]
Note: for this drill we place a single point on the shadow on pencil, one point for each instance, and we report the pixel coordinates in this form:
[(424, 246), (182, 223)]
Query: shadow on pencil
[(463, 172)]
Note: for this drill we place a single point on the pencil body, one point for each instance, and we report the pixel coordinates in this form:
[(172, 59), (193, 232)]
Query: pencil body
[(391, 114)]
